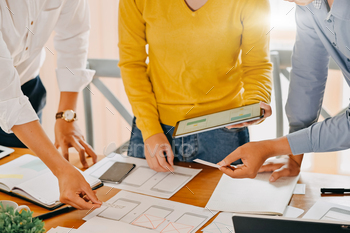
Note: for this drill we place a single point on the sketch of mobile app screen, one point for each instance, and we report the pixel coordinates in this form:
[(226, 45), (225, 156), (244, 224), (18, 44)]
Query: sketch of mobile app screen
[(337, 214), (139, 176), (125, 206), (98, 172), (192, 219), (171, 182), (153, 217)]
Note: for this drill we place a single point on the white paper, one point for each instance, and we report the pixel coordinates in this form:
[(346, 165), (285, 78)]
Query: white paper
[(151, 213), (206, 163), (221, 224), (143, 179), (299, 189), (258, 196), (292, 212), (99, 225), (327, 211), (62, 230)]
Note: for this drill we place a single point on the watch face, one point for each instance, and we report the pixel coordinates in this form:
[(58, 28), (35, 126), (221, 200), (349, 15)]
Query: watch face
[(69, 115)]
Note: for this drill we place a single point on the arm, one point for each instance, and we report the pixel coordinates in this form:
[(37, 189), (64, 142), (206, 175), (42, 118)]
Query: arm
[(138, 87), (307, 82), (308, 78), (17, 115), (72, 184), (330, 135), (256, 67), (71, 43), (255, 56)]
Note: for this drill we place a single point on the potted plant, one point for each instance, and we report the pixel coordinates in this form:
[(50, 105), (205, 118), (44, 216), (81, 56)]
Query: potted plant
[(12, 221)]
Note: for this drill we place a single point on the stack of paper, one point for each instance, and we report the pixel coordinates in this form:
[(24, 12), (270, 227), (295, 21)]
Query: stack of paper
[(329, 212), (253, 196)]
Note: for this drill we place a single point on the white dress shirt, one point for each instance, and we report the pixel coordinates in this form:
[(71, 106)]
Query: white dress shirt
[(25, 27)]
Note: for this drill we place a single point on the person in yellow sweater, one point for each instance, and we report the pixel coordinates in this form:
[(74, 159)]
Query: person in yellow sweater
[(205, 56)]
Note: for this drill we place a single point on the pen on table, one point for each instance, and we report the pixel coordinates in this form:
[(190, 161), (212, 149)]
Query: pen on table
[(55, 213), (335, 190)]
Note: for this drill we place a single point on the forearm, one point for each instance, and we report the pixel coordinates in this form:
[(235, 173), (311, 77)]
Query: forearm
[(34, 137), (68, 101), (276, 147)]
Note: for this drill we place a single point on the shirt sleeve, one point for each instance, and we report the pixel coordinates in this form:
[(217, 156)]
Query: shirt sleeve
[(71, 43), (308, 75), (332, 134), (307, 83), (256, 67), (138, 87), (15, 108)]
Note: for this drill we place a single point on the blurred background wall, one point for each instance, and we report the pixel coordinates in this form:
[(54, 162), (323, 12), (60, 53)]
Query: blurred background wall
[(110, 127)]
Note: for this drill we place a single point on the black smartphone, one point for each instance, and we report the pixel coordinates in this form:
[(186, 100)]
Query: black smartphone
[(117, 172)]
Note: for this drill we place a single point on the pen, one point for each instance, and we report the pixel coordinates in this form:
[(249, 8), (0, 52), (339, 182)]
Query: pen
[(55, 213), (335, 190)]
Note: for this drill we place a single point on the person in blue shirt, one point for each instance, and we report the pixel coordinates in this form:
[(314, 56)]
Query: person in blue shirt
[(323, 30)]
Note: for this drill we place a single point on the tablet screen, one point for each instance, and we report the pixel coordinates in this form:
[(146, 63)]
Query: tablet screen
[(215, 120)]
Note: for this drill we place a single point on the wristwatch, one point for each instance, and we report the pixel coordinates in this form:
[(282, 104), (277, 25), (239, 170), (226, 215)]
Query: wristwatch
[(68, 115)]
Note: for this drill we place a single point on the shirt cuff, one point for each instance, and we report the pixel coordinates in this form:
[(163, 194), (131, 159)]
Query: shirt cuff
[(73, 80), (299, 142), (16, 111)]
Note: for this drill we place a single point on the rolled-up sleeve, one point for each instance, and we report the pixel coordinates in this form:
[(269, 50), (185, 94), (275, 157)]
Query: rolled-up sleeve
[(15, 108), (307, 84), (71, 43)]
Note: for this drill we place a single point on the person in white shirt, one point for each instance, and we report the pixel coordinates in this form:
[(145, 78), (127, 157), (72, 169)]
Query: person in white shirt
[(25, 27)]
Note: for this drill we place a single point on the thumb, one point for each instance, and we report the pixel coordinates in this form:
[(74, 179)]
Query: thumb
[(234, 156), (92, 196), (278, 174)]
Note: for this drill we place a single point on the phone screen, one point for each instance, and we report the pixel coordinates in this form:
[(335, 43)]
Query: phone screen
[(218, 120), (117, 172)]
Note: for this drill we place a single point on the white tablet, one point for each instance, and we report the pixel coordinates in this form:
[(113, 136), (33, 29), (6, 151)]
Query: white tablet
[(218, 120), (5, 151)]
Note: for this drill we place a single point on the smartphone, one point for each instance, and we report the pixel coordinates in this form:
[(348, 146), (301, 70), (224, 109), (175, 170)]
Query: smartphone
[(117, 172), (5, 151), (218, 120)]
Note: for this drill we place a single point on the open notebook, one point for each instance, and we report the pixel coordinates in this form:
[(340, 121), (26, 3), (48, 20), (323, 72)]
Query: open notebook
[(29, 178), (253, 196)]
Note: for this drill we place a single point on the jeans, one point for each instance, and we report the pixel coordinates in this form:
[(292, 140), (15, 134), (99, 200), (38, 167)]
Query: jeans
[(36, 92), (212, 146)]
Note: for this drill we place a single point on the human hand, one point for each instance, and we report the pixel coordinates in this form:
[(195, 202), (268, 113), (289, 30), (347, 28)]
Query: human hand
[(301, 2), (290, 168), (75, 191), (68, 134), (268, 112), (155, 149), (253, 156)]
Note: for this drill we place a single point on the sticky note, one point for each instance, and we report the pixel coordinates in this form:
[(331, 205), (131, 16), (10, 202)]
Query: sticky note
[(14, 176)]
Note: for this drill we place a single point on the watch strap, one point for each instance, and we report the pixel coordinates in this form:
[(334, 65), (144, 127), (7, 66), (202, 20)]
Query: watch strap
[(59, 115)]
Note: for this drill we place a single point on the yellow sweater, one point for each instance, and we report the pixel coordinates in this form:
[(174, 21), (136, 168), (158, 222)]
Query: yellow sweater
[(201, 62)]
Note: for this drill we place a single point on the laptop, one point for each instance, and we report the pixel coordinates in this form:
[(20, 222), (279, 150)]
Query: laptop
[(271, 224)]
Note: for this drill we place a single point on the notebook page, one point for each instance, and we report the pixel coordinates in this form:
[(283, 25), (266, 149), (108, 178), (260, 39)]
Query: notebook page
[(21, 170), (45, 188)]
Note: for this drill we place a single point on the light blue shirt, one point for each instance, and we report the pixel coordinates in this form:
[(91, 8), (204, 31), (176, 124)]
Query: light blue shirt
[(320, 34)]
